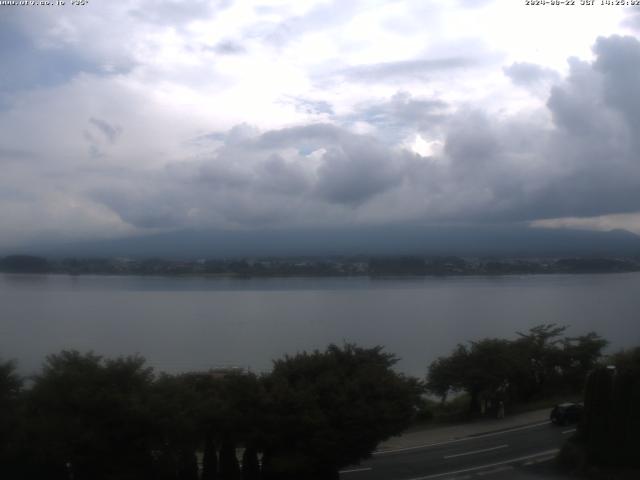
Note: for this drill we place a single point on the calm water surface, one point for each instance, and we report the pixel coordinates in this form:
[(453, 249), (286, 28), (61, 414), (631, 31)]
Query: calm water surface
[(195, 323)]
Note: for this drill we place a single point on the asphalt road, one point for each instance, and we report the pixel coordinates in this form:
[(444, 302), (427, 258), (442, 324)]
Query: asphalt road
[(505, 454)]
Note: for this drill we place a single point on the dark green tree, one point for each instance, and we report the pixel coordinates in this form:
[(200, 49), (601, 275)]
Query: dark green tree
[(90, 416), (187, 465), (10, 437), (177, 432), (446, 374), (250, 464), (209, 459), (596, 427), (538, 363), (330, 409), (580, 355), (539, 356), (229, 465), (609, 430), (483, 370)]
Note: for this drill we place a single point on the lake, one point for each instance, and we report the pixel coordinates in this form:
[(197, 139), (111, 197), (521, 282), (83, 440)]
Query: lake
[(195, 323)]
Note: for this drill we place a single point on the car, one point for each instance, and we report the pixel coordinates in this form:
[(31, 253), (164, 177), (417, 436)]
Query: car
[(566, 413)]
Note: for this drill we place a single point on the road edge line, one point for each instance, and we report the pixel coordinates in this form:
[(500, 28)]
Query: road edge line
[(457, 440), (496, 464)]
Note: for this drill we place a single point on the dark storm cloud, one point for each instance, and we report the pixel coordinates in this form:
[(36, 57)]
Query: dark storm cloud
[(590, 160), (472, 142), (145, 205), (493, 167), (574, 109), (352, 167), (530, 74), (618, 60), (249, 180), (357, 170), (279, 176), (514, 168), (408, 69)]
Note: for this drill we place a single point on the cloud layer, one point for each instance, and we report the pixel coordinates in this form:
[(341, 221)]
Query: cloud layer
[(119, 120)]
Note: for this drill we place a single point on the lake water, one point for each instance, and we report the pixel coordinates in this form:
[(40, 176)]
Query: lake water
[(183, 324)]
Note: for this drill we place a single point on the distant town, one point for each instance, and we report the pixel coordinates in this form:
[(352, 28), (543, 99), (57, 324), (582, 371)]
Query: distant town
[(319, 267)]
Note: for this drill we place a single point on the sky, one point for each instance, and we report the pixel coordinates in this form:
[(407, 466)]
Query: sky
[(136, 117)]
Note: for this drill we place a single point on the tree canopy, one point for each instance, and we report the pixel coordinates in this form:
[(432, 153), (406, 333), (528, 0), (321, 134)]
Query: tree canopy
[(334, 407), (93, 418), (538, 362)]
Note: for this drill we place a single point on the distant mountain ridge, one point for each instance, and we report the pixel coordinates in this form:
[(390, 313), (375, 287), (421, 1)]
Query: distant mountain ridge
[(394, 240)]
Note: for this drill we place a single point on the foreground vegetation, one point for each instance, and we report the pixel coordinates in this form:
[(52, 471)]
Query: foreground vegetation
[(85, 417), (88, 417), (607, 444), (538, 365)]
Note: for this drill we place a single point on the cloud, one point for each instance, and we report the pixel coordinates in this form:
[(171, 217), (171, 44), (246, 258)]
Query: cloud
[(116, 120), (27, 65), (320, 16), (529, 74), (15, 154), (110, 132), (311, 107), (474, 3), (178, 13), (632, 20), (510, 168), (630, 222), (401, 115), (421, 69), (229, 47)]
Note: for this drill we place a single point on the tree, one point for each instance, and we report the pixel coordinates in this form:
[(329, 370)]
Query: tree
[(24, 264), (330, 409), (10, 392), (611, 423), (229, 465), (484, 371), (242, 419), (537, 363), (540, 350), (89, 417), (250, 464), (581, 355), (446, 374), (177, 405)]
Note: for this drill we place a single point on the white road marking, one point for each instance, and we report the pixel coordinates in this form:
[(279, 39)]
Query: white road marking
[(475, 451), (496, 470), (355, 470), (484, 435), (491, 465), (539, 460), (569, 431)]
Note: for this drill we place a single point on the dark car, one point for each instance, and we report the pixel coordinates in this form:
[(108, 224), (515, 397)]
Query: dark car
[(566, 413)]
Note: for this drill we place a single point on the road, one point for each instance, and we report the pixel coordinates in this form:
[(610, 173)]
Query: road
[(505, 454)]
